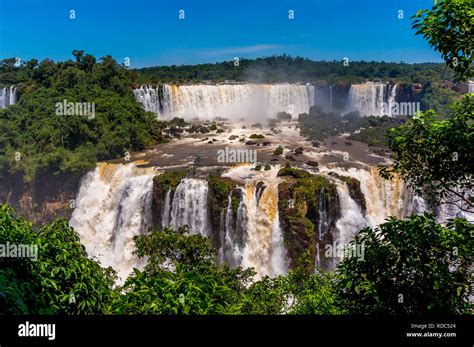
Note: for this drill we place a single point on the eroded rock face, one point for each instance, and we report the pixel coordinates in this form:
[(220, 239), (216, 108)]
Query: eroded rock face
[(218, 201), (47, 198), (161, 185), (355, 192), (308, 208)]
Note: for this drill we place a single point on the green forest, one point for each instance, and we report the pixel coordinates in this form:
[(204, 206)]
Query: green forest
[(294, 69), (35, 139), (411, 266)]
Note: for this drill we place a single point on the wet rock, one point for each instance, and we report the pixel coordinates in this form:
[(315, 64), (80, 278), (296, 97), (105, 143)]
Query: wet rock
[(312, 163), (298, 151), (250, 143)]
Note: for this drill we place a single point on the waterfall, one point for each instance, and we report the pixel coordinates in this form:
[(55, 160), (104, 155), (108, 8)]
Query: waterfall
[(236, 101), (189, 207), (371, 98), (148, 97), (112, 206), (257, 229), (234, 233), (391, 99), (323, 223), (470, 86), (166, 214), (383, 198), (7, 96), (330, 99), (263, 248), (352, 218), (3, 97)]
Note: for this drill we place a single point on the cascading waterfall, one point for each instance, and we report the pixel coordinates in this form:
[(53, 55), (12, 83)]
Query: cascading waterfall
[(372, 98), (148, 97), (166, 214), (234, 233), (263, 248), (352, 218), (7, 96), (112, 206), (235, 101), (391, 99), (258, 220), (470, 86), (383, 198), (323, 224), (331, 103), (188, 207)]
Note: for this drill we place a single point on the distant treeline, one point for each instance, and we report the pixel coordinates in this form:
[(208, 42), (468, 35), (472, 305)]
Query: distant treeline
[(294, 69), (268, 69)]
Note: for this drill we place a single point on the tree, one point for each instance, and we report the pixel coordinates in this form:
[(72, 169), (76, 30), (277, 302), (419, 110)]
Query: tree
[(449, 27), (435, 156), (57, 278), (412, 266), (181, 277)]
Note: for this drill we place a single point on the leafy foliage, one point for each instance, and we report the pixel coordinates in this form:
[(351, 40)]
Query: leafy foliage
[(435, 156), (449, 27), (414, 266), (292, 69), (61, 280), (50, 142), (181, 277)]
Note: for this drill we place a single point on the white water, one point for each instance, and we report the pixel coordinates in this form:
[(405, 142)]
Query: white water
[(383, 198), (234, 234), (471, 86), (7, 96), (352, 218), (372, 98), (112, 206), (258, 217), (189, 207), (148, 97), (235, 101), (391, 99)]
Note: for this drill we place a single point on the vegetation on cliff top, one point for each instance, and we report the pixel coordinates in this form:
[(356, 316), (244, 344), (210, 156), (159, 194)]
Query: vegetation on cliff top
[(36, 137)]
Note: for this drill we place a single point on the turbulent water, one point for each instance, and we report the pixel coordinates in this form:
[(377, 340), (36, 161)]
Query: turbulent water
[(383, 198), (234, 101), (258, 218), (188, 207), (7, 96), (112, 206), (372, 98), (257, 101), (352, 218)]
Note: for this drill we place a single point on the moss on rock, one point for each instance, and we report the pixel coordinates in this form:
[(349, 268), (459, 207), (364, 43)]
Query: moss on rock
[(299, 207)]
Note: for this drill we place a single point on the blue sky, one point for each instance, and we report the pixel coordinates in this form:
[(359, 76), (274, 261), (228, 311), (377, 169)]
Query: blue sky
[(150, 33)]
